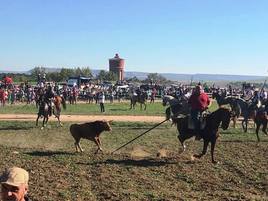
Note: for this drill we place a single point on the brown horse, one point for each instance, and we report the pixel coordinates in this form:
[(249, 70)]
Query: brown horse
[(209, 133), (58, 101)]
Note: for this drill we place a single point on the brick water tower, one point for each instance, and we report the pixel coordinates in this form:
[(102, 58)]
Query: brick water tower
[(116, 65)]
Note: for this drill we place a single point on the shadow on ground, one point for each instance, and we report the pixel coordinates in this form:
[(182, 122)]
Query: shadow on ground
[(48, 153), (132, 162), (15, 128)]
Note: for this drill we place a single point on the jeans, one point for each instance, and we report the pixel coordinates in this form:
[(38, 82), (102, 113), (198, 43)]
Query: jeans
[(195, 115)]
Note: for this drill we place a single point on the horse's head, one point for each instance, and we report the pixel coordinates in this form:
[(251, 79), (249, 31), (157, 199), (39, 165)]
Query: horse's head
[(225, 115), (164, 101), (167, 99)]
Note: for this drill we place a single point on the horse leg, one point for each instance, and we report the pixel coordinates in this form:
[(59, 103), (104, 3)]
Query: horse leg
[(59, 122), (46, 119), (264, 128), (213, 143), (36, 123), (245, 125), (234, 121), (205, 146), (257, 130), (145, 106), (182, 143), (43, 124)]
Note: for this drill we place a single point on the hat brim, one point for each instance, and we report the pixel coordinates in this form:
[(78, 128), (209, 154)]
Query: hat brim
[(11, 183)]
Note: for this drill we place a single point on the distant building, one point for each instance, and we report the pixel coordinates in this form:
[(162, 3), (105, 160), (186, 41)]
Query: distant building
[(116, 65)]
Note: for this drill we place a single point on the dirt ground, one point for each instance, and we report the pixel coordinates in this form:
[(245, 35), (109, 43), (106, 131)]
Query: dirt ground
[(82, 118)]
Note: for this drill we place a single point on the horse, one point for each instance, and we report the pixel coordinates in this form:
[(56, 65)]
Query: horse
[(176, 106), (225, 100), (209, 133), (141, 98), (261, 119), (45, 109), (58, 101), (221, 100), (243, 108)]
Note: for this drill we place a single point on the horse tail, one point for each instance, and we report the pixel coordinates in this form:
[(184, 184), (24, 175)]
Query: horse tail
[(63, 102)]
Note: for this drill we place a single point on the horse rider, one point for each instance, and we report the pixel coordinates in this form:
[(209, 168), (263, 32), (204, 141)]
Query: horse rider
[(138, 92), (49, 95), (255, 100), (199, 102)]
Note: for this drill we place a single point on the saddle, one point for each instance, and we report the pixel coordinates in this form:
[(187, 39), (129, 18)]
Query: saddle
[(202, 120)]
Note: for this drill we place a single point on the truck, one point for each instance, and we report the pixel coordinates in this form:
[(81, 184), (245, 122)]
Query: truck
[(77, 81)]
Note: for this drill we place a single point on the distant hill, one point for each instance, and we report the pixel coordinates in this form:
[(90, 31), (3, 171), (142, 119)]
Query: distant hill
[(173, 76), (198, 77)]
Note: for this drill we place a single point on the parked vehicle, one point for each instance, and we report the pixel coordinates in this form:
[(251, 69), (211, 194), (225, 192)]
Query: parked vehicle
[(78, 81)]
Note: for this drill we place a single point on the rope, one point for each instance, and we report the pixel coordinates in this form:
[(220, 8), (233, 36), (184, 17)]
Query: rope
[(140, 135)]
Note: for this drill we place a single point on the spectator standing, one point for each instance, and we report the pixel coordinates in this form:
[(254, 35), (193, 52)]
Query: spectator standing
[(102, 101)]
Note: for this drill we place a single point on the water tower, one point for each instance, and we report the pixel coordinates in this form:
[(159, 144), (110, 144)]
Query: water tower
[(116, 65)]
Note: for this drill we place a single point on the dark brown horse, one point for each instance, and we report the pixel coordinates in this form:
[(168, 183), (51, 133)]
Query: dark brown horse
[(213, 120), (261, 119)]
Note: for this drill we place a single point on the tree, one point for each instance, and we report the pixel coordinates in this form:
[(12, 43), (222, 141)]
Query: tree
[(86, 72), (65, 73), (101, 76), (133, 79), (111, 76), (155, 78), (54, 76), (37, 70), (105, 75)]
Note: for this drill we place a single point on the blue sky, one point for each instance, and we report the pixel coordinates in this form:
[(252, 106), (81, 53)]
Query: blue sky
[(162, 36)]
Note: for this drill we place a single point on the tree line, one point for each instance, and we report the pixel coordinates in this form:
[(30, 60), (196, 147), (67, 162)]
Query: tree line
[(63, 74)]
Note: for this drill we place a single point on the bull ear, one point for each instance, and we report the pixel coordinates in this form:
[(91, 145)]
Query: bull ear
[(110, 121)]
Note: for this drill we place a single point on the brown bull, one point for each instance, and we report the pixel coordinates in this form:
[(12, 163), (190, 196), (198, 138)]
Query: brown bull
[(90, 131)]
